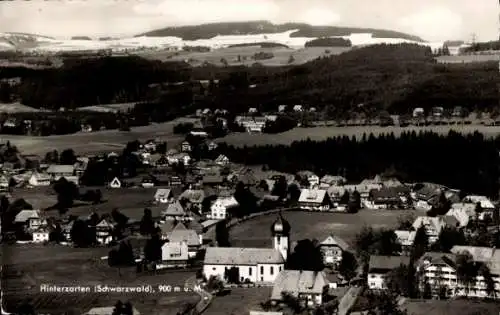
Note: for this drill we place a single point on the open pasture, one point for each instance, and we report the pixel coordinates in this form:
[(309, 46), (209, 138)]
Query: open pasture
[(281, 55), (322, 133), (467, 58), (239, 301), (459, 307), (26, 268), (315, 225), (12, 108)]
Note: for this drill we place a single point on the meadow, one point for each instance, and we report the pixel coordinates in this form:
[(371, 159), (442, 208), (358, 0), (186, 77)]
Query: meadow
[(239, 301), (467, 58), (316, 225), (281, 55), (459, 306)]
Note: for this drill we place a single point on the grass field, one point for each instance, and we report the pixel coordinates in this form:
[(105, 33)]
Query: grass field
[(322, 133), (281, 55), (467, 58), (457, 307), (239, 302), (315, 225), (27, 267), (12, 108)]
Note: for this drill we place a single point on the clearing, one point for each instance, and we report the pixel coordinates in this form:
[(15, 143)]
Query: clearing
[(322, 133), (239, 301), (459, 307), (315, 225), (12, 108)]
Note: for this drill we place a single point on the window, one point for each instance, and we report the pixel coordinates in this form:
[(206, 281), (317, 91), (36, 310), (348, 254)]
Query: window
[(271, 270), (261, 269), (278, 240), (279, 269), (250, 271), (214, 268), (372, 284)]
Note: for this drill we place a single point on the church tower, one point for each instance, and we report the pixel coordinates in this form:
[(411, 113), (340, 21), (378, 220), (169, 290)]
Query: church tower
[(281, 235)]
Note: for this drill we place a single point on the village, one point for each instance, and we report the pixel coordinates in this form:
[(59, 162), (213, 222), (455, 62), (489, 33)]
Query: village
[(196, 195)]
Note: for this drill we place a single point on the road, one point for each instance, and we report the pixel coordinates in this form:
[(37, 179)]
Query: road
[(348, 300), (205, 297)]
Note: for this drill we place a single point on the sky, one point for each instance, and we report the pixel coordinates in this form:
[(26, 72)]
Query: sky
[(433, 20)]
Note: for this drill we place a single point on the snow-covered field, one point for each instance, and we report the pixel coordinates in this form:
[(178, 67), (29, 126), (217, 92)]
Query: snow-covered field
[(41, 44)]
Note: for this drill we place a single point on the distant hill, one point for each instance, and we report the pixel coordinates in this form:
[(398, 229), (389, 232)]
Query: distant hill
[(81, 38), (329, 42), (206, 31)]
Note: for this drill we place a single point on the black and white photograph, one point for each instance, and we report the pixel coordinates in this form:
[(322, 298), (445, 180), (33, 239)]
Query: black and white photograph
[(250, 157)]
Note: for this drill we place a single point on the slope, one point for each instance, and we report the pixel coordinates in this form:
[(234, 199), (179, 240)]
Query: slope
[(210, 30)]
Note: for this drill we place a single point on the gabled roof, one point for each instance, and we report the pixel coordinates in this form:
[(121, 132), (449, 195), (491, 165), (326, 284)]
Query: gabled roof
[(332, 240), (298, 282), (482, 254), (163, 193), (193, 195), (384, 194), (41, 176), (483, 200), (184, 235), (330, 179), (53, 168), (437, 223), (387, 262), (221, 158), (242, 256), (104, 224), (405, 238), (175, 209), (228, 202), (312, 195), (437, 258), (25, 215), (212, 179)]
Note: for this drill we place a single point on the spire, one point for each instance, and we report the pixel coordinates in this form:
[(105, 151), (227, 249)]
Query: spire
[(281, 225)]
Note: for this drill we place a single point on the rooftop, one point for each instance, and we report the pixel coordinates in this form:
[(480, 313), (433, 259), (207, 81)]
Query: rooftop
[(242, 256)]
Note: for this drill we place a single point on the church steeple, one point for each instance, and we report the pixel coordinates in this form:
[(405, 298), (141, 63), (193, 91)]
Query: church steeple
[(281, 235)]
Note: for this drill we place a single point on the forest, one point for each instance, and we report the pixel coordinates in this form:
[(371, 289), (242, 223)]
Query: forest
[(329, 42), (394, 78), (466, 162)]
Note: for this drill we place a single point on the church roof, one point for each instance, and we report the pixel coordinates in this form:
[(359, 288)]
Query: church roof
[(242, 256)]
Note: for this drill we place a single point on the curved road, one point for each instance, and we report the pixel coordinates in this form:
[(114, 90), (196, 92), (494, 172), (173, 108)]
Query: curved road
[(205, 297)]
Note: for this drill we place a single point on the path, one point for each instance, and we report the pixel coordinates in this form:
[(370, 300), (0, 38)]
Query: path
[(205, 297), (348, 300)]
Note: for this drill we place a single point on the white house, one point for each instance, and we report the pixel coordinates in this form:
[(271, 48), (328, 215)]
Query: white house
[(380, 266), (433, 226), (174, 211), (4, 183), (405, 239), (418, 112), (221, 206), (314, 199), (486, 204), (182, 234), (174, 254), (115, 183), (222, 160), (308, 286), (258, 265), (58, 171), (298, 108), (282, 108), (103, 232), (163, 195), (463, 212), (30, 219), (332, 248), (182, 157), (39, 179), (41, 234)]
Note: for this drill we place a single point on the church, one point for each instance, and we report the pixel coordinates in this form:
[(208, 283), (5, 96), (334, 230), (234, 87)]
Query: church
[(258, 265)]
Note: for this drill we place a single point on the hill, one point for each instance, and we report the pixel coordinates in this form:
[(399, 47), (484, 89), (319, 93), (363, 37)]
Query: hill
[(210, 30)]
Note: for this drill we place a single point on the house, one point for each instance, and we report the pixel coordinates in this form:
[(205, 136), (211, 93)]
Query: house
[(169, 226), (418, 112), (486, 205), (314, 199), (147, 182), (219, 210), (332, 248), (252, 110), (282, 108), (186, 146), (298, 108), (311, 178), (163, 195), (464, 212), (437, 111), (433, 226), (175, 211), (222, 160), (162, 162), (331, 180), (41, 234), (439, 271), (309, 287), (107, 310), (104, 230), (380, 266), (175, 181), (197, 133), (174, 254), (458, 111), (182, 157), (271, 117), (182, 234), (58, 171), (195, 197), (29, 219), (405, 239), (213, 179), (4, 183), (39, 179), (212, 146), (384, 198), (367, 185), (258, 265), (115, 183)]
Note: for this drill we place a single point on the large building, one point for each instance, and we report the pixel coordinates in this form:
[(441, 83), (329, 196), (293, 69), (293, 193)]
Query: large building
[(257, 265)]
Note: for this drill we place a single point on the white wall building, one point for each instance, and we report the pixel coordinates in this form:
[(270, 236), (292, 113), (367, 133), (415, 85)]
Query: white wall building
[(221, 206)]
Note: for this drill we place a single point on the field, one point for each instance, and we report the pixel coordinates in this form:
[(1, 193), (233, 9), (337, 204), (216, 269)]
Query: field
[(281, 55), (27, 267), (239, 301), (458, 307), (467, 58), (322, 133), (16, 108), (108, 108), (315, 225)]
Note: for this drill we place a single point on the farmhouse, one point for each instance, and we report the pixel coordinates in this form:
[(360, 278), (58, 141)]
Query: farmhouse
[(195, 197), (163, 195), (332, 248), (182, 157), (181, 234), (220, 208), (405, 239), (58, 171), (39, 179), (330, 180), (463, 212), (258, 265), (222, 160), (486, 205), (174, 254), (440, 271), (29, 219), (175, 211), (314, 199), (186, 146), (308, 286), (104, 230), (432, 225), (380, 266), (384, 198)]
